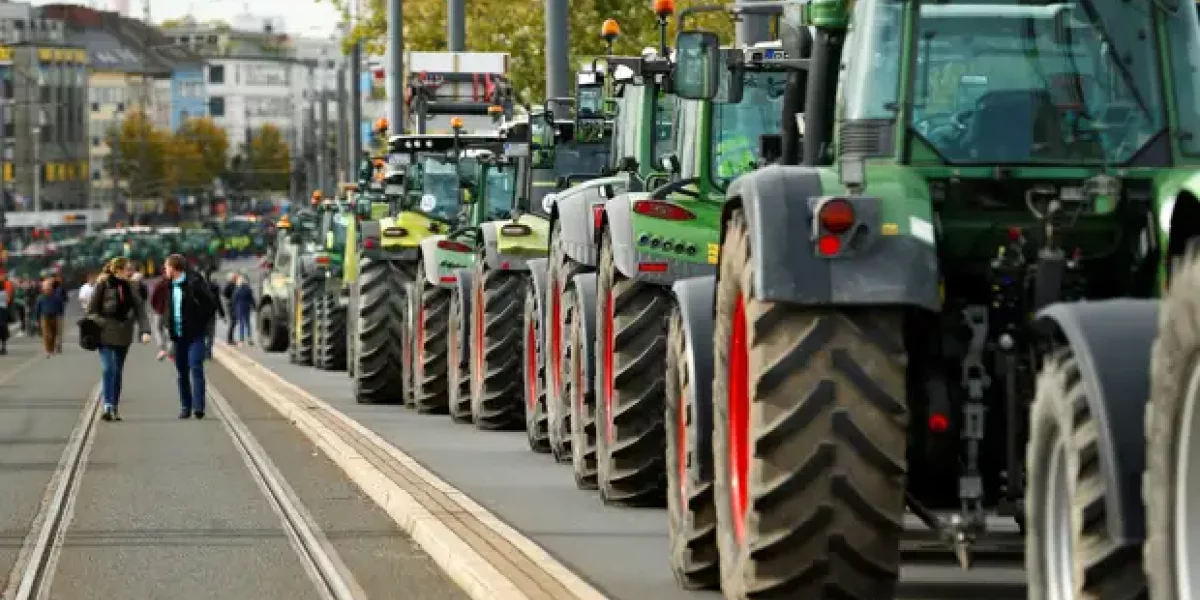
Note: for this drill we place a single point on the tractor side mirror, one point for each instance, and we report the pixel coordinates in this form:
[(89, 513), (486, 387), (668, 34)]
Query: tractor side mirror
[(697, 70)]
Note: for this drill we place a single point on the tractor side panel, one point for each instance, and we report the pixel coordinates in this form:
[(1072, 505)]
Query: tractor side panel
[(634, 237), (441, 263), (578, 225), (887, 265), (516, 251)]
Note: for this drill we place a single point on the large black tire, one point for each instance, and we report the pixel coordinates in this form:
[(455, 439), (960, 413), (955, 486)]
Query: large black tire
[(497, 347), (1068, 548), (330, 351), (691, 513), (580, 400), (458, 372), (304, 321), (272, 332), (1169, 435), (558, 409), (534, 370), (432, 323), (630, 367), (378, 305), (820, 430)]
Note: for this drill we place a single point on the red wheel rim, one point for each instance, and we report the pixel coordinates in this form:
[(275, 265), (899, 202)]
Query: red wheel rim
[(739, 420), (530, 367), (681, 449), (556, 337), (608, 367), (477, 376)]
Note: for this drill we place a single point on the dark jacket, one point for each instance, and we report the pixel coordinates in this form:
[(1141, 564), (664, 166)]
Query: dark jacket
[(199, 308), (49, 305), (215, 290), (227, 291), (103, 308), (243, 300)]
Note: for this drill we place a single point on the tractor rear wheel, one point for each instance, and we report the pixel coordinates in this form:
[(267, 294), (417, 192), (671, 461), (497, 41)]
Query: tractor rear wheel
[(578, 394), (536, 423), (432, 323), (378, 331), (458, 372), (558, 408), (810, 433), (631, 355), (691, 513), (300, 351), (1069, 552), (330, 351), (496, 347), (272, 332)]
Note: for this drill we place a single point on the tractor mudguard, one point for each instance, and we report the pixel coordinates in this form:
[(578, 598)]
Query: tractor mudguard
[(440, 262), (538, 272), (694, 297), (462, 286), (1111, 341), (370, 229), (586, 284), (491, 251), (884, 269), (428, 250), (374, 229), (618, 218), (577, 233)]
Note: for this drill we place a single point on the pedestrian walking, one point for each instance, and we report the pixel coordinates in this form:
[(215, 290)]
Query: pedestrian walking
[(60, 291), (243, 308), (160, 297), (116, 307), (190, 313), (8, 299), (49, 310), (227, 297)]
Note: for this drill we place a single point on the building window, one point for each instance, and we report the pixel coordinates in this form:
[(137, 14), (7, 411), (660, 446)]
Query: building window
[(96, 175), (95, 107), (216, 106), (96, 141), (216, 74)]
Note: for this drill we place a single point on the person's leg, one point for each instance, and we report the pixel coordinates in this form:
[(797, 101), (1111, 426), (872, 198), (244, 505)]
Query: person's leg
[(195, 365), (108, 370), (119, 354), (58, 334), (232, 323), (47, 336), (185, 384)]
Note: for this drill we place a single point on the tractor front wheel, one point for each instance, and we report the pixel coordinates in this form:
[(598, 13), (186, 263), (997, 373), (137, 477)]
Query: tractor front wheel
[(536, 422), (496, 347), (432, 323), (458, 377)]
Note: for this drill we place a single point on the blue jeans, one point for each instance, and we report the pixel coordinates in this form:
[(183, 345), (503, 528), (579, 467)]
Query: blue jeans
[(241, 319), (189, 365), (112, 370)]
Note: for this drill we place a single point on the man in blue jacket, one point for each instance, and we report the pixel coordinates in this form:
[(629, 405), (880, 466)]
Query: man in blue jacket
[(190, 310)]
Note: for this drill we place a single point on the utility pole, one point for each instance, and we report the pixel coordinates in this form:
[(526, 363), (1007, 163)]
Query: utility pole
[(343, 126), (395, 66), (310, 141), (356, 105), (456, 24), (37, 164), (323, 145), (557, 49)]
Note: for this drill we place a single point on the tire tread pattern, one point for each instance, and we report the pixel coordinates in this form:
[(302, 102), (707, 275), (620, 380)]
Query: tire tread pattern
[(378, 329), (496, 392)]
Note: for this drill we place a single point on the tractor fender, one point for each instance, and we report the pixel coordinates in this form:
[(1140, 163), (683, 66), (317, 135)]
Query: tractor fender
[(429, 255), (577, 233), (538, 278), (618, 221), (1111, 341), (464, 278), (694, 297), (586, 284), (491, 254), (371, 229), (883, 269)]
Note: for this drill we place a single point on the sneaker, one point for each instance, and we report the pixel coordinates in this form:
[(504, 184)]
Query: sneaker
[(107, 415), (116, 414), (199, 414), (185, 413)]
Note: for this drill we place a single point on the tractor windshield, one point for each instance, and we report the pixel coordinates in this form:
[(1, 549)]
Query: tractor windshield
[(500, 191), (440, 185), (738, 128), (1005, 82), (574, 158)]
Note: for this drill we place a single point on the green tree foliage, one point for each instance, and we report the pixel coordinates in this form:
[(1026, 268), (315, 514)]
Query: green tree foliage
[(197, 154), (139, 155), (503, 26), (268, 159)]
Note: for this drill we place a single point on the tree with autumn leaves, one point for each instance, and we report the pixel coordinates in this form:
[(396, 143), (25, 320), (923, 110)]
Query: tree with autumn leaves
[(502, 26), (154, 163)]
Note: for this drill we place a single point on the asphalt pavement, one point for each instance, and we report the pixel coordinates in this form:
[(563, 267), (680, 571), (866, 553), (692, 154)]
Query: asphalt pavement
[(237, 505)]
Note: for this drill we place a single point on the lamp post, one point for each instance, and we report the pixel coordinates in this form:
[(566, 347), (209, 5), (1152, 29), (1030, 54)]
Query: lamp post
[(37, 169)]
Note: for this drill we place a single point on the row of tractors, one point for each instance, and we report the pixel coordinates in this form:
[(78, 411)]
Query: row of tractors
[(935, 265)]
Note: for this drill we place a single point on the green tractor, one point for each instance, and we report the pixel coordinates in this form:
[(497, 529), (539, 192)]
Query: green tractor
[(383, 256), (283, 322), (642, 137), (483, 181), (944, 302), (486, 342), (323, 285)]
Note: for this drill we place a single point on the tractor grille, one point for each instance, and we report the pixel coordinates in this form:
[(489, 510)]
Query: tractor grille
[(869, 139)]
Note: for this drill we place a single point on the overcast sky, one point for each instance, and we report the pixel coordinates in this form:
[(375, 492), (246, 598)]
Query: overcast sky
[(300, 17)]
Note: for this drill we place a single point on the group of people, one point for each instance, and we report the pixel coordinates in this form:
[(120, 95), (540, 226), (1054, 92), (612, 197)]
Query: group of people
[(183, 308), (47, 309)]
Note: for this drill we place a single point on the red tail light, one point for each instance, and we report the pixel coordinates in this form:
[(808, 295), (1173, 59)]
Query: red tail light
[(836, 216), (370, 243), (453, 246), (448, 278), (597, 215), (322, 260), (939, 423), (662, 210), (829, 245)]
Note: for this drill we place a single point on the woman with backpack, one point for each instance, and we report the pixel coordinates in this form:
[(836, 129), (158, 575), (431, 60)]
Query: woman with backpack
[(116, 307)]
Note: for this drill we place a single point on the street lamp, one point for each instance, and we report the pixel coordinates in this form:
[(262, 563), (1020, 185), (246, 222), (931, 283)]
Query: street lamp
[(37, 168)]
